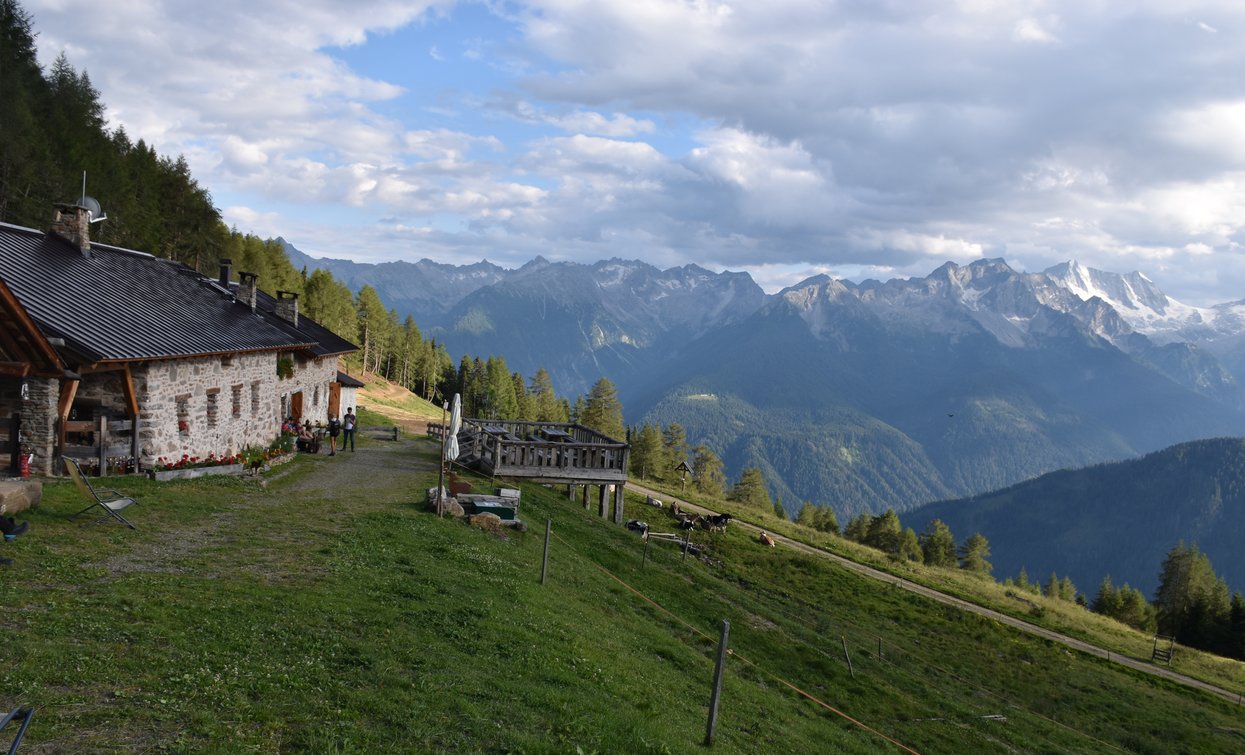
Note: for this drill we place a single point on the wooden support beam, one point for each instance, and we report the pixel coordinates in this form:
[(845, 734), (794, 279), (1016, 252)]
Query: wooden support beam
[(603, 492), (14, 369), (131, 396), (586, 497), (69, 389)]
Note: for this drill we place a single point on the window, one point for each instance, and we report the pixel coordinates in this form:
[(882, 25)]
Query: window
[(237, 400), (183, 415), (213, 406), (255, 398)]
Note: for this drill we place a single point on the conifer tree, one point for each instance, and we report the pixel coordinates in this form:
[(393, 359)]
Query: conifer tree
[(973, 554), (885, 532), (647, 457), (807, 515), (858, 528), (1192, 601), (909, 547), (707, 472), (751, 490), (548, 407), (674, 444), (603, 411), (825, 520), (938, 545)]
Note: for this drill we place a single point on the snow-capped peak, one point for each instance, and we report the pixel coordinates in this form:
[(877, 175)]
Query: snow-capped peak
[(1134, 296)]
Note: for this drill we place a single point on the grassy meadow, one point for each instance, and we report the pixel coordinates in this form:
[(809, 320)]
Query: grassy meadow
[(328, 612)]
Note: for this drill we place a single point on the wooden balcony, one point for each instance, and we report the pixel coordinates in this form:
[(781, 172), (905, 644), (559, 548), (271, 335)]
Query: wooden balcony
[(546, 452)]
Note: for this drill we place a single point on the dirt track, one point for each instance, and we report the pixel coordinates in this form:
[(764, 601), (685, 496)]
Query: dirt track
[(1024, 626)]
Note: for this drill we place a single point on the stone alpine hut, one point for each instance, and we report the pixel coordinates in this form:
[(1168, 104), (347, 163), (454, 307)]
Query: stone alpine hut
[(157, 358)]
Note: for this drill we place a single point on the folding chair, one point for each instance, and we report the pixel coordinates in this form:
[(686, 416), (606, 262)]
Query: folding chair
[(22, 717), (112, 501)]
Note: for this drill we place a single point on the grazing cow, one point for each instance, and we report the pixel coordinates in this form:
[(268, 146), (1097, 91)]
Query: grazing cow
[(635, 525), (689, 523), (766, 539), (674, 507), (718, 522), (653, 502)]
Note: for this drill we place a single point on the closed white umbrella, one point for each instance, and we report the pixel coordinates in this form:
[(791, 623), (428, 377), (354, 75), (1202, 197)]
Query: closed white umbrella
[(456, 423)]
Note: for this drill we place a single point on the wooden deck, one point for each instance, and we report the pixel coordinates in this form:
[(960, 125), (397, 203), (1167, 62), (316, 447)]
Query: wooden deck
[(543, 452)]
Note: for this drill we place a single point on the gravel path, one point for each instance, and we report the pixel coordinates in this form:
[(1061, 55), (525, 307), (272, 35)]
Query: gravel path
[(385, 459)]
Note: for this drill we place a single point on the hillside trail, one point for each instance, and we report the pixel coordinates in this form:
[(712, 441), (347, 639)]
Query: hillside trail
[(1002, 618)]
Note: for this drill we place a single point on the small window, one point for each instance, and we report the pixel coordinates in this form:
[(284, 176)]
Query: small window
[(315, 397), (237, 400), (255, 398), (183, 415), (213, 406), (226, 361)]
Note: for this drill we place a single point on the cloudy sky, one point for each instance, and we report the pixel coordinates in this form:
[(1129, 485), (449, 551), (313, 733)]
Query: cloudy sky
[(870, 138)]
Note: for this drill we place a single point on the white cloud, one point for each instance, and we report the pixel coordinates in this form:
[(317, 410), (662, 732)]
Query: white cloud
[(787, 136)]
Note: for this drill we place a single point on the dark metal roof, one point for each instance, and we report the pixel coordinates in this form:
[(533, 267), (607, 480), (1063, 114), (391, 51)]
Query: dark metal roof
[(348, 381), (324, 341), (122, 305)]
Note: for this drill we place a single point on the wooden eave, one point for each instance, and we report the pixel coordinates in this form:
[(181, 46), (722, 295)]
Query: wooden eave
[(116, 364), (22, 340)]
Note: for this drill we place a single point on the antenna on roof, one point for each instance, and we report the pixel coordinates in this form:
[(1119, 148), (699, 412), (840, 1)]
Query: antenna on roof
[(91, 204)]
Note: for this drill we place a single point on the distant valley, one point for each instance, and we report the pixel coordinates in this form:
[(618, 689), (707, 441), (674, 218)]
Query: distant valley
[(858, 396)]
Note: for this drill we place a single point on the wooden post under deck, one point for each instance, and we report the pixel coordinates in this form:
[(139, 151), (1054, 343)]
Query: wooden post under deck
[(604, 500), (618, 503)]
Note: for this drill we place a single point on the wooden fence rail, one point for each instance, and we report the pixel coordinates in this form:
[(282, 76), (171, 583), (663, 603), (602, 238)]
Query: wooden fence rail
[(97, 441)]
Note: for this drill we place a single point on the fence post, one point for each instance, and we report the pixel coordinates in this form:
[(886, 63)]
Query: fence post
[(644, 560), (718, 668), (847, 656), (544, 566)]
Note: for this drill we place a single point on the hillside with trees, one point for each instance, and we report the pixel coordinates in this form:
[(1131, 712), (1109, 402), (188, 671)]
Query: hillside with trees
[(1115, 519)]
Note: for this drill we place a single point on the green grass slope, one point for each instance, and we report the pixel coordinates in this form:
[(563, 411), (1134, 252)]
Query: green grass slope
[(327, 612)]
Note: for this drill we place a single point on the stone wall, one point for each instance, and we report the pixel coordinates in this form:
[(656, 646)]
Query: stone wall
[(39, 422), (222, 405)]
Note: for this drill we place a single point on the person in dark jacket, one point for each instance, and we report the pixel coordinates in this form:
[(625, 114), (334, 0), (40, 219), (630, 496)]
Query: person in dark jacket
[(335, 429), (349, 424)]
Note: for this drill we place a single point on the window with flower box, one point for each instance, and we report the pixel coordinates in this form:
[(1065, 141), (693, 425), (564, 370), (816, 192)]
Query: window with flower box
[(183, 414)]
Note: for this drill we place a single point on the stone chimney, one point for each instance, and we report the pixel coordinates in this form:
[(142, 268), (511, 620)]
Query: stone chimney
[(72, 223), (287, 307), (245, 294), (226, 265)]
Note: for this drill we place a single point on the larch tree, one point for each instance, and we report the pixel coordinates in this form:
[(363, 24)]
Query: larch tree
[(751, 490), (938, 544), (603, 411), (708, 472), (973, 554)]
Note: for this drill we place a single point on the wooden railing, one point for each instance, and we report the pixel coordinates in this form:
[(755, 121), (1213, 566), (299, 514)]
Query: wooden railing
[(108, 443), (519, 449)]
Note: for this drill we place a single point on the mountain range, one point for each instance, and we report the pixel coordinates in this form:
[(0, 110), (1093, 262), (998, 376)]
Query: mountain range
[(861, 396)]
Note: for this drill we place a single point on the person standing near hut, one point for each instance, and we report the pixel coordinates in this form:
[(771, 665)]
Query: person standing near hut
[(335, 429), (349, 423)]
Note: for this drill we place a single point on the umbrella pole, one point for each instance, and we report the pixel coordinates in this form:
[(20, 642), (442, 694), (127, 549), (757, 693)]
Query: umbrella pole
[(445, 434)]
